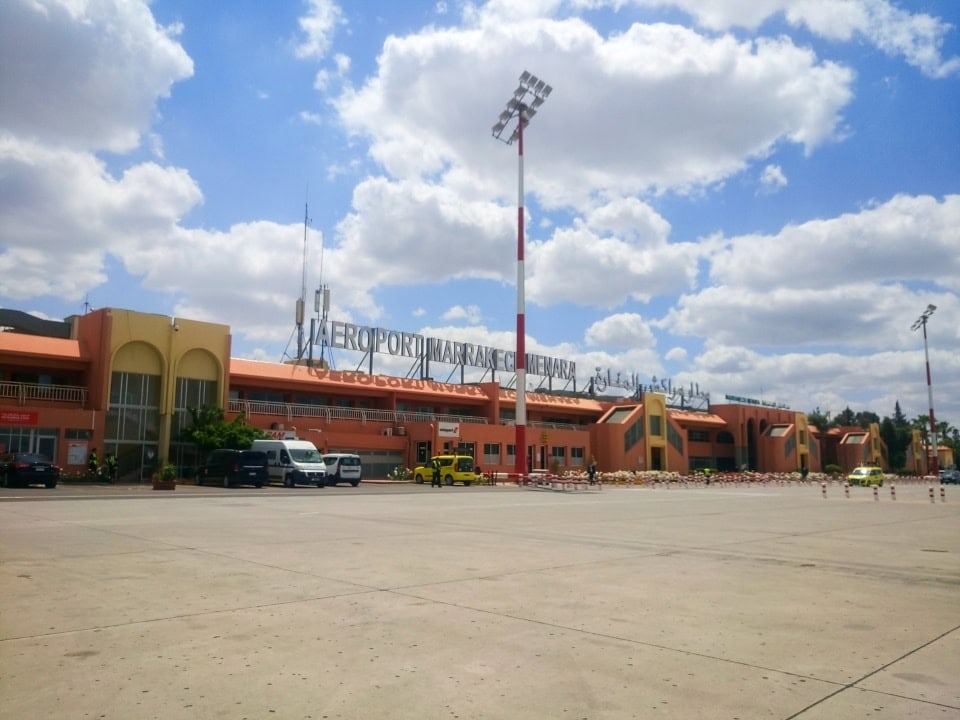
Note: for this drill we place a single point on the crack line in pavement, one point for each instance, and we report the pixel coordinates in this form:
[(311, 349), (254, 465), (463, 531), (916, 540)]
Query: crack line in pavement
[(880, 669)]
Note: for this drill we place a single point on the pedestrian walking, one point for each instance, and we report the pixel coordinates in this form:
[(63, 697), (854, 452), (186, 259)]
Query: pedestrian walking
[(592, 472)]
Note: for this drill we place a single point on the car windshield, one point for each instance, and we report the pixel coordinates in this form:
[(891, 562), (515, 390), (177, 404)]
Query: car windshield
[(30, 458), (310, 455), (860, 471), (253, 457)]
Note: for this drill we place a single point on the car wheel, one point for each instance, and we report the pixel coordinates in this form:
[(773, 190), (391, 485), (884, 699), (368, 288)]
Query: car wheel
[(226, 481), (51, 484), (419, 479), (258, 485), (287, 481), (466, 483), (448, 480), (355, 482)]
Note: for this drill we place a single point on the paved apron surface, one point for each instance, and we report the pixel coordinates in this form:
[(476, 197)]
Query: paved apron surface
[(415, 602)]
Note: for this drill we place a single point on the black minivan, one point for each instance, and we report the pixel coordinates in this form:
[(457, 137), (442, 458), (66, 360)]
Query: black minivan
[(235, 467)]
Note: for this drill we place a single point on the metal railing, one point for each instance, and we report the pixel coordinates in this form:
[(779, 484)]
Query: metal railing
[(290, 411), (24, 393)]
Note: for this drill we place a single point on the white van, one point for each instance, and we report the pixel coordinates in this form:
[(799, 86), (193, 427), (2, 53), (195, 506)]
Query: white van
[(343, 467), (293, 462)]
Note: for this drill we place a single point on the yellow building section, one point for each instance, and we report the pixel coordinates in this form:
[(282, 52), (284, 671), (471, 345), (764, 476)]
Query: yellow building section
[(876, 445), (169, 348), (803, 441), (655, 417)]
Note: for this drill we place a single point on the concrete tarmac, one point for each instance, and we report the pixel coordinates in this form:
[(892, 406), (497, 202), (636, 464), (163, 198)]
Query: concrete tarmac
[(480, 602)]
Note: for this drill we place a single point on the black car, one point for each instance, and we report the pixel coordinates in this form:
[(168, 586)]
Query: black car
[(22, 469), (235, 467)]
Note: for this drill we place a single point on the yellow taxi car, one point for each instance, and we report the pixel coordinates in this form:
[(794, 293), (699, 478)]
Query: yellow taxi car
[(866, 475), (453, 469)]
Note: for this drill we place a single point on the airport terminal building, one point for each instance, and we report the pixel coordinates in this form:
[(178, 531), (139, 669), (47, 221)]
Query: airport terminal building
[(121, 381)]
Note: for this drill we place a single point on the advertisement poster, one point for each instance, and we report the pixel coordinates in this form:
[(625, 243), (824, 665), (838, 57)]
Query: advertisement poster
[(76, 452)]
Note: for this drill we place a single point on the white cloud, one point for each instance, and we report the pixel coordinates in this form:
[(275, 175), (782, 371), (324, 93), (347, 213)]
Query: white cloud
[(828, 380), (772, 178), (677, 355), (311, 118), (903, 238), (655, 83), (620, 331), (579, 266), (318, 27), (110, 216), (470, 314), (917, 37), (85, 75)]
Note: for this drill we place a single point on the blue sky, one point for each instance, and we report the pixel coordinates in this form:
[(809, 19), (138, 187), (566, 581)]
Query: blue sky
[(756, 197)]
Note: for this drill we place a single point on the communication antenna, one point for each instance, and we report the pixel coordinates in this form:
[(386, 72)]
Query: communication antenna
[(302, 300)]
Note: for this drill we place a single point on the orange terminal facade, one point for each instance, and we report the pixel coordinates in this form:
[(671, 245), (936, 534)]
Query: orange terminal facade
[(121, 381)]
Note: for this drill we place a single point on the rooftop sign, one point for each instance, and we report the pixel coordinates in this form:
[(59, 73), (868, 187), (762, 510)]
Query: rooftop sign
[(753, 401), (363, 338)]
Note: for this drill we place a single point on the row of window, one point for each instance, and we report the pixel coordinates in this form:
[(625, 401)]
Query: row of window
[(558, 454)]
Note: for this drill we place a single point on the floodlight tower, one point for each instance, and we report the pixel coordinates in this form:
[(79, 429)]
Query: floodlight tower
[(922, 323), (526, 100)]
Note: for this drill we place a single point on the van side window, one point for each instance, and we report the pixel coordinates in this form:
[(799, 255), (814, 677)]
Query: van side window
[(284, 457), (271, 455)]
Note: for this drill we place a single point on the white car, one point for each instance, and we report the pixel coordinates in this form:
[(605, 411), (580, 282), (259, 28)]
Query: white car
[(343, 467)]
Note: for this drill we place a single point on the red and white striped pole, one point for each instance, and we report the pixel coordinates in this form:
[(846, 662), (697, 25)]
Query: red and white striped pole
[(536, 90), (521, 359)]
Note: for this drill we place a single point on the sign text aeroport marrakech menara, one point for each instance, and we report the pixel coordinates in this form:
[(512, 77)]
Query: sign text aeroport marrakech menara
[(362, 338)]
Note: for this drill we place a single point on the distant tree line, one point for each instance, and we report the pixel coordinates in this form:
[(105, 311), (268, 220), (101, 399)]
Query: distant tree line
[(895, 431)]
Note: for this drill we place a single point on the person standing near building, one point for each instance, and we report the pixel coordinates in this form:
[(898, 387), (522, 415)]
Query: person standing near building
[(592, 472), (435, 479), (93, 464), (110, 465)]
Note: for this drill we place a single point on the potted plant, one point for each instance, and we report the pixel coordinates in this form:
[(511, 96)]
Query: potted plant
[(165, 477)]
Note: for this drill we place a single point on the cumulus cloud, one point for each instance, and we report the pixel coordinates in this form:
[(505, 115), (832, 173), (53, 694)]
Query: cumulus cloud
[(879, 244), (470, 314), (85, 75), (111, 215), (620, 331), (917, 37), (662, 78)]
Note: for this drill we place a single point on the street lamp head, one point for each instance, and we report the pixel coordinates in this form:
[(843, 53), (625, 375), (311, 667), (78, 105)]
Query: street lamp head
[(523, 105), (924, 316)]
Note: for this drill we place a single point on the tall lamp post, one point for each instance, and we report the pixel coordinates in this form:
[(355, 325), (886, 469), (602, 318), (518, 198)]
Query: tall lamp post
[(526, 100), (922, 323)]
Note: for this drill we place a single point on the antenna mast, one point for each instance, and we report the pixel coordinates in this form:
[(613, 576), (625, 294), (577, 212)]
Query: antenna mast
[(301, 301)]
